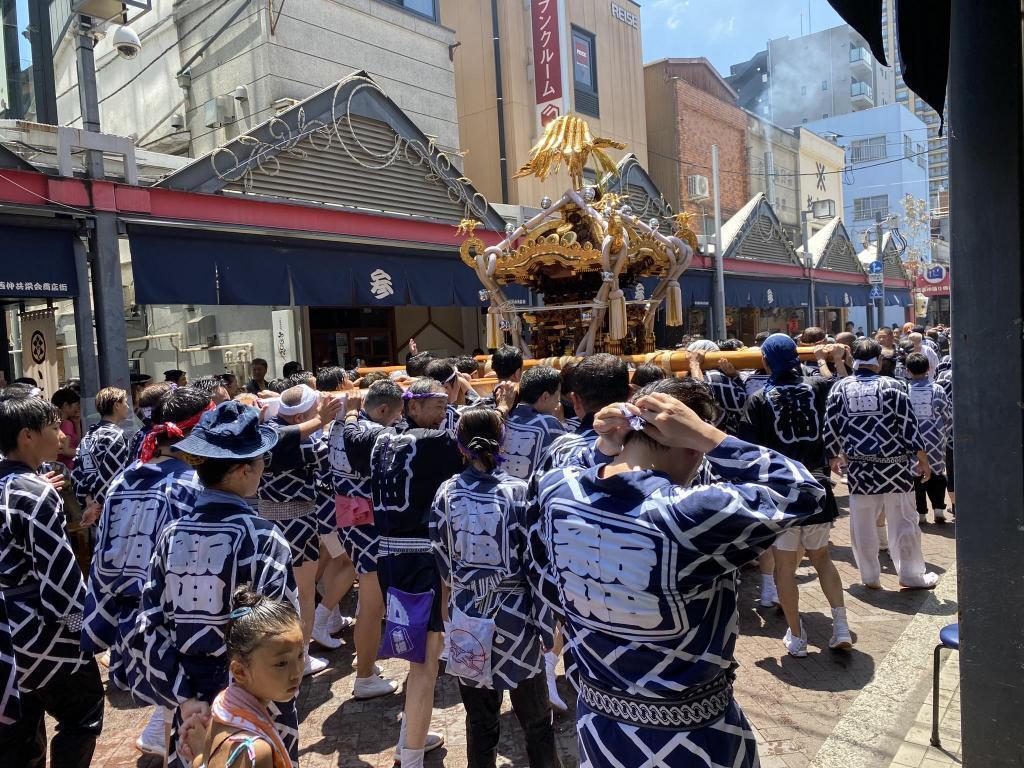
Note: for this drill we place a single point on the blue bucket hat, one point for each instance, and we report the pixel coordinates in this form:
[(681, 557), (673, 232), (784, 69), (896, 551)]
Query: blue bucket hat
[(229, 431)]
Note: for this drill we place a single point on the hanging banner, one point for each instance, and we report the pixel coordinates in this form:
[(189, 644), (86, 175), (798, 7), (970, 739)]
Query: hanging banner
[(547, 59), (39, 350), (286, 347)]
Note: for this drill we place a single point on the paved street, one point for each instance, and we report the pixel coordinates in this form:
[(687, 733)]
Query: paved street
[(795, 704)]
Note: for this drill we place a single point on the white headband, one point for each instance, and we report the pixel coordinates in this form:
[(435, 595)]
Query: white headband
[(862, 363), (307, 401)]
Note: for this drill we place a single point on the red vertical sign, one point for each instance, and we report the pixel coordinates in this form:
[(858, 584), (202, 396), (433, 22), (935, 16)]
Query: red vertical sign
[(547, 59)]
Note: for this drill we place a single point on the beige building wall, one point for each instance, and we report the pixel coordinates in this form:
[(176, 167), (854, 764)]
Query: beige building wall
[(816, 154), (619, 83), (764, 137)]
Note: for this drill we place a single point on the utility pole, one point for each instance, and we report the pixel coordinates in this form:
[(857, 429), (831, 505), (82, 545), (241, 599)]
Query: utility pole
[(719, 300), (880, 256), (104, 254)]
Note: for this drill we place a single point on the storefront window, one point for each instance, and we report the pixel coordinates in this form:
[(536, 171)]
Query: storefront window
[(352, 336)]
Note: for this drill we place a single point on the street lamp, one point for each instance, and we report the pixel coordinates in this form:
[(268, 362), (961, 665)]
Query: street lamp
[(816, 209)]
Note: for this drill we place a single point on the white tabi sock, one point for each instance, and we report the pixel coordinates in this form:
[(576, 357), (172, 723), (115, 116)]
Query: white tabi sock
[(412, 758)]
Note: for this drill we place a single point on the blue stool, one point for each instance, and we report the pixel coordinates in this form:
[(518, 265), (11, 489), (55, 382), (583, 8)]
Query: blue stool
[(949, 637)]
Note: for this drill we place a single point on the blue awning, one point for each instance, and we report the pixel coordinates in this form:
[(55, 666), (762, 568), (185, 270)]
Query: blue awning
[(37, 262), (176, 266), (897, 298), (765, 293), (841, 295), (696, 288)]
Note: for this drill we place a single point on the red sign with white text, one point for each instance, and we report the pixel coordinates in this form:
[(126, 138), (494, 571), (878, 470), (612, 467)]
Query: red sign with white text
[(547, 59), (934, 281)]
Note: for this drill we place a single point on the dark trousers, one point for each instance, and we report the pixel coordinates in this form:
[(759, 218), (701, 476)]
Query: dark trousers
[(934, 491), (76, 702), (530, 704)]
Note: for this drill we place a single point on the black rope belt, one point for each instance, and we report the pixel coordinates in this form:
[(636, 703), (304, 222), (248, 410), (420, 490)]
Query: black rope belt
[(703, 706)]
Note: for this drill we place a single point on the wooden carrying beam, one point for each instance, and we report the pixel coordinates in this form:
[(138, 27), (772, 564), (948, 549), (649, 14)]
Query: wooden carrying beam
[(673, 361)]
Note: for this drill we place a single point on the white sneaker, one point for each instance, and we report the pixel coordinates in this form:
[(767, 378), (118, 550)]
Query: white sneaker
[(939, 515), (841, 637), (373, 686), (796, 646), (769, 593), (321, 630), (550, 662), (922, 518), (151, 740), (434, 740), (314, 666), (883, 538)]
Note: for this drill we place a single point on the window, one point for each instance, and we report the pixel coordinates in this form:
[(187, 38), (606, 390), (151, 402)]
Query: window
[(922, 158), (863, 150), (824, 85), (865, 208), (803, 90), (824, 116), (901, 94), (584, 72), (426, 8), (908, 146)]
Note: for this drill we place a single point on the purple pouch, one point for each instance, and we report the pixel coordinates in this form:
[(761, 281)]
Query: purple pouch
[(405, 626)]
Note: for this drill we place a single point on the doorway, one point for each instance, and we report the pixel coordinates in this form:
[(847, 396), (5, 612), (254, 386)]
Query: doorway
[(352, 336)]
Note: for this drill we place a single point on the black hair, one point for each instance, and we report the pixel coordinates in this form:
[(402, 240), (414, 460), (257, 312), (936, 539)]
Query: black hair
[(212, 472), (179, 405), (173, 375), (278, 385), (479, 432), (258, 616), (506, 361), (730, 345), (646, 373), (227, 378), (694, 394), (299, 377), (20, 411), (207, 384), (813, 335), (918, 329), (372, 378), (260, 361), (416, 365), (26, 380), (866, 349), (65, 396), (440, 370), (600, 380), (761, 338), (329, 379), (466, 365), (917, 363), (538, 380), (291, 367), (477, 352), (567, 371), (382, 392)]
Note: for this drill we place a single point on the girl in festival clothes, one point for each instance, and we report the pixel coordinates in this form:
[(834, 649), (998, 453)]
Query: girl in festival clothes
[(148, 495), (265, 655), (199, 561), (478, 527)]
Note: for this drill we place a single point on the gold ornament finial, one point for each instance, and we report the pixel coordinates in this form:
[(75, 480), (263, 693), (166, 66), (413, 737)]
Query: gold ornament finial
[(684, 219), (568, 138), (467, 227)]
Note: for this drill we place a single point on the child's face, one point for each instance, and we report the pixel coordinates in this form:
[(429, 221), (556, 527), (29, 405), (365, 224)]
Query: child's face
[(273, 670)]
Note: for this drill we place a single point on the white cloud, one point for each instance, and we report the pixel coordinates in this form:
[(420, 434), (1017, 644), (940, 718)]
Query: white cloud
[(723, 27)]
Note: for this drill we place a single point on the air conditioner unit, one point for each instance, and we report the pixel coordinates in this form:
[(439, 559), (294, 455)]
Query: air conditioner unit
[(219, 111), (201, 332), (697, 187)]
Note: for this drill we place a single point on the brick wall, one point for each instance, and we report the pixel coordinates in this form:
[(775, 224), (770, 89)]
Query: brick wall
[(705, 120)]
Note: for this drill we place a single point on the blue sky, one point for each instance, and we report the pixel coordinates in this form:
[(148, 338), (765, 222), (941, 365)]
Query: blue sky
[(725, 31)]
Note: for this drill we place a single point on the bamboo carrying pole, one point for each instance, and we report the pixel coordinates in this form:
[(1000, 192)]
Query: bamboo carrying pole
[(673, 361)]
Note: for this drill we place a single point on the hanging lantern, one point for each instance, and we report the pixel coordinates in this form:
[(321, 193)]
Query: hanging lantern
[(920, 304)]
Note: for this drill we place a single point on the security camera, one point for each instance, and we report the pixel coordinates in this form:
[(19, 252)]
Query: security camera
[(126, 42)]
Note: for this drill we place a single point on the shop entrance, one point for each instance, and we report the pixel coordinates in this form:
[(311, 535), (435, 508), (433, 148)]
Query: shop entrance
[(352, 336)]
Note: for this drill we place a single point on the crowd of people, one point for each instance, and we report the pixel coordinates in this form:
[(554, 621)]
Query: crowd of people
[(594, 513)]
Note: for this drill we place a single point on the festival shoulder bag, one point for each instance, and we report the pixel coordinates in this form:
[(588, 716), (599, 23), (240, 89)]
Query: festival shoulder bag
[(405, 628), (470, 639)]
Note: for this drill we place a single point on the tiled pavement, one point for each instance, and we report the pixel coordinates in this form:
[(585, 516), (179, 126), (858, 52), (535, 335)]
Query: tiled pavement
[(793, 703), (916, 750)]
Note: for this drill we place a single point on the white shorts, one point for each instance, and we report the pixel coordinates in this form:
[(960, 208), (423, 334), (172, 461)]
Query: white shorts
[(812, 537)]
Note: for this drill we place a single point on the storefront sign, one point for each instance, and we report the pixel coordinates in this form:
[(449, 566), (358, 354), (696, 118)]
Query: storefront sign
[(626, 17), (547, 59), (934, 281), (285, 343)]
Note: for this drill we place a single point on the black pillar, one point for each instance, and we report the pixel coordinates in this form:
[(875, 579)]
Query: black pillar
[(986, 129)]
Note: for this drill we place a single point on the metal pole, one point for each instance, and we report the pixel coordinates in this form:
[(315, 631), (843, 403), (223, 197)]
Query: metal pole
[(805, 233), (769, 177), (108, 293), (88, 366), (986, 154), (719, 300)]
